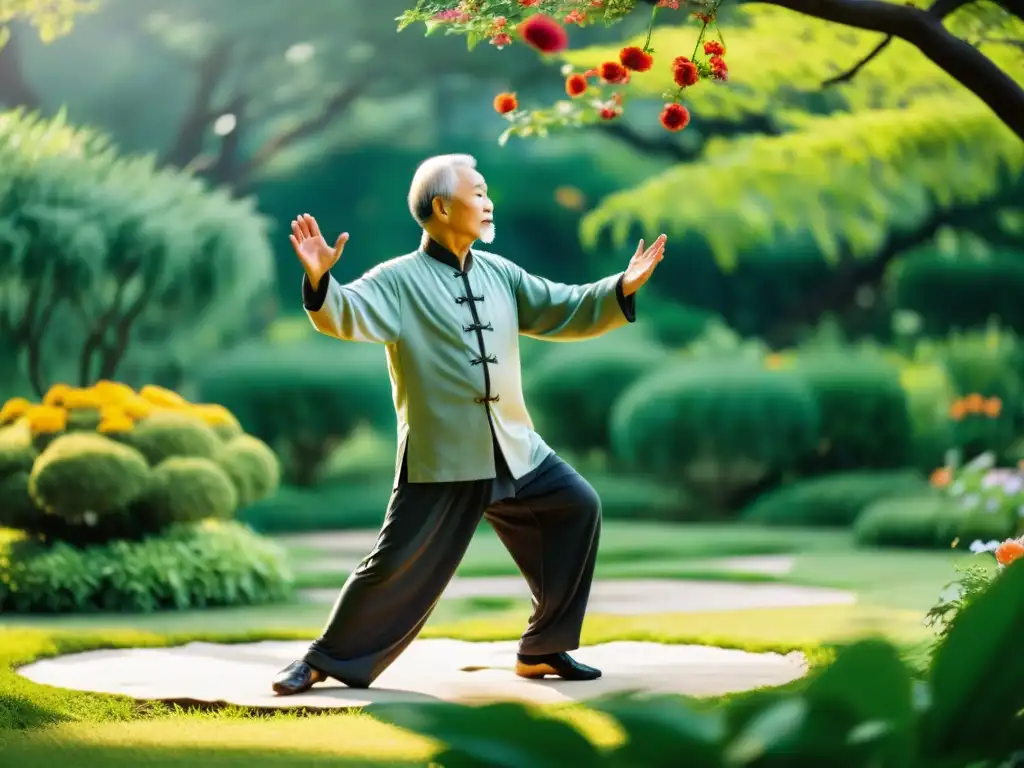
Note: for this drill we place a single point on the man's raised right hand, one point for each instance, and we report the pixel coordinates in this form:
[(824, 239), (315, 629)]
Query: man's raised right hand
[(315, 255)]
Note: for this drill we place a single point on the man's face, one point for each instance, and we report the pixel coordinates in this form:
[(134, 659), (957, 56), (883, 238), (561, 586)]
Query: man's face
[(471, 213)]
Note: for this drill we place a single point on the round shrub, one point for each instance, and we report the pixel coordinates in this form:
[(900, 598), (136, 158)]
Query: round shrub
[(17, 453), (832, 500), (166, 434), (82, 474), (16, 507), (189, 566), (303, 399), (718, 427), (585, 380), (89, 486), (366, 456), (252, 467), (926, 522), (188, 489), (865, 420)]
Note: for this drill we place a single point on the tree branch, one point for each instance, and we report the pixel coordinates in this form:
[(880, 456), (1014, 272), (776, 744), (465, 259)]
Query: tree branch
[(14, 88), (962, 61), (334, 107), (940, 9), (113, 353), (189, 141), (95, 340)]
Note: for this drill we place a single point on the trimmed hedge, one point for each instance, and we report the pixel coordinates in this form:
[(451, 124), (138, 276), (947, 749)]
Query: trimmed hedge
[(202, 565), (832, 500), (927, 522)]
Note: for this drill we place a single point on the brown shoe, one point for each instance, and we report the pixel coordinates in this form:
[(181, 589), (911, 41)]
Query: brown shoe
[(297, 677), (557, 664)]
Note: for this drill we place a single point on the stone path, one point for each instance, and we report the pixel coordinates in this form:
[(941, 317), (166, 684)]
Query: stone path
[(429, 670), (638, 596)]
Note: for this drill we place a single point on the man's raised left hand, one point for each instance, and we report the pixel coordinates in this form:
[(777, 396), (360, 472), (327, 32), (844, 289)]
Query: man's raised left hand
[(642, 265)]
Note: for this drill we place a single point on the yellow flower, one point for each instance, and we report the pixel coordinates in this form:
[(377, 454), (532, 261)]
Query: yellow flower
[(213, 414), (75, 399), (773, 361), (162, 397), (137, 407), (974, 403), (55, 395), (113, 391), (115, 423), (13, 410), (46, 419)]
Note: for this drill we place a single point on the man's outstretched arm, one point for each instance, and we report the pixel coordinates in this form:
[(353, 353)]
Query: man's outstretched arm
[(367, 309), (558, 312)]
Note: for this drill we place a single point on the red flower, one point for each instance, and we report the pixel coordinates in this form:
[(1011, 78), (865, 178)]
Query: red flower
[(674, 117), (529, 3), (576, 85), (612, 72), (501, 40), (505, 102), (575, 17), (609, 113), (714, 48), (719, 69), (544, 33), (684, 72), (636, 58)]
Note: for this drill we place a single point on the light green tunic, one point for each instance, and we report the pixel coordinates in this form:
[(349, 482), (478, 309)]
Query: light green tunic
[(452, 344)]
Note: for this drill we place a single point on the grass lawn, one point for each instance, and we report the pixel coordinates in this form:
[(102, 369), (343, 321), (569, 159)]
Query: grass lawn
[(39, 725), (905, 579)]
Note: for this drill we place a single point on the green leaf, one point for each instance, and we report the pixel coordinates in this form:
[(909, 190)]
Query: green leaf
[(501, 735), (869, 680), (775, 725), (977, 678), (660, 729), (473, 39)]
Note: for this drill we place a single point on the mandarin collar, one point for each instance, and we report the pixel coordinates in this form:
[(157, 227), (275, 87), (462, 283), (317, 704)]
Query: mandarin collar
[(436, 251)]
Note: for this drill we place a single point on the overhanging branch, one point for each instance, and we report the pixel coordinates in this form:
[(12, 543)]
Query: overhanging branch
[(962, 61)]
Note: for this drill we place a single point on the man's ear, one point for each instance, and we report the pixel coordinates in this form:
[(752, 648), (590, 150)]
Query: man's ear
[(440, 209)]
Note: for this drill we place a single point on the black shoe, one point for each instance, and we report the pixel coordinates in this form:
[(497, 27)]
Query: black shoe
[(297, 677), (559, 664)]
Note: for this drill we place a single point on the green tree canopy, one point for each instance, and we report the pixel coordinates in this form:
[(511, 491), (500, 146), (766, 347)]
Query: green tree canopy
[(112, 268)]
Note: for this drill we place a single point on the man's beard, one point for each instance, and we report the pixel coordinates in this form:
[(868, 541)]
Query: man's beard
[(487, 234)]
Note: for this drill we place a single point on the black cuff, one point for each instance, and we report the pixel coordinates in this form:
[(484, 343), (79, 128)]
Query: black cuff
[(312, 300), (626, 303)]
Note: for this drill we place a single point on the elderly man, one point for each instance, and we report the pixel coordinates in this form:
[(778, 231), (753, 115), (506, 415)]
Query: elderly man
[(450, 317)]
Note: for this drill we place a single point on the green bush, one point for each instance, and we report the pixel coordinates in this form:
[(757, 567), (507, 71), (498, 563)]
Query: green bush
[(931, 521), (930, 393), (184, 269), (252, 467), (865, 420), (866, 708), (586, 380), (187, 489), (719, 429), (303, 400), (832, 500), (961, 293), (152, 459), (336, 507), (187, 566), (82, 476), (366, 456), (168, 434)]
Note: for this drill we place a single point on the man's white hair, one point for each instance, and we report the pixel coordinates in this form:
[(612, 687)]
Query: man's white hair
[(436, 176)]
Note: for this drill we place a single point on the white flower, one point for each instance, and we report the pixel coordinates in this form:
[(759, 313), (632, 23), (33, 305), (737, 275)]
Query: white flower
[(978, 546)]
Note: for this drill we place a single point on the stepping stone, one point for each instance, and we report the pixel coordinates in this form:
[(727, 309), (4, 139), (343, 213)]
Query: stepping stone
[(429, 670), (639, 596)]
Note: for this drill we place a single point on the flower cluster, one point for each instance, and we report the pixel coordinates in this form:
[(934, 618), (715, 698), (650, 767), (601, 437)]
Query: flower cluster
[(597, 93), (980, 486), (975, 405)]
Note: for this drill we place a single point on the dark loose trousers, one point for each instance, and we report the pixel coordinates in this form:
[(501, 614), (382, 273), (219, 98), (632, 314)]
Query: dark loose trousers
[(550, 522)]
